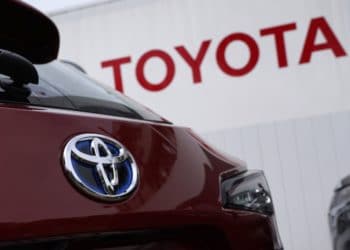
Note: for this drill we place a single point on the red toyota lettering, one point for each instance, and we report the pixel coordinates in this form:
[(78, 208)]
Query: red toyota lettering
[(310, 46), (170, 70), (195, 63), (253, 58), (278, 33), (116, 66)]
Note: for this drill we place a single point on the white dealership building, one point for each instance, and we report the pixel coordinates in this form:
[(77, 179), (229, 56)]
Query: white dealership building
[(266, 81)]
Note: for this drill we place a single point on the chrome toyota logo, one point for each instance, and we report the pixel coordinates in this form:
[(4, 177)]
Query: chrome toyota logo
[(100, 166)]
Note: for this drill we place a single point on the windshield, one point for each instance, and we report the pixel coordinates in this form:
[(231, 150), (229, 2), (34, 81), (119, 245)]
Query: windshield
[(63, 86)]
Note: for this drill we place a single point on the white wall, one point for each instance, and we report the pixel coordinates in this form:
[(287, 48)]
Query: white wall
[(267, 93), (303, 160)]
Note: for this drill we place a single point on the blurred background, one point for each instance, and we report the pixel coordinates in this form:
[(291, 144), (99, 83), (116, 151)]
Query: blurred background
[(265, 81)]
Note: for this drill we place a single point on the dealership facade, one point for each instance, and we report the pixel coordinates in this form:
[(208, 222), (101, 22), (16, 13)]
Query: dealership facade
[(267, 82)]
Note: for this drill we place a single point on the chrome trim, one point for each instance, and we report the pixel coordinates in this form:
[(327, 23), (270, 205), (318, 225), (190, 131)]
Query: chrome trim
[(109, 185)]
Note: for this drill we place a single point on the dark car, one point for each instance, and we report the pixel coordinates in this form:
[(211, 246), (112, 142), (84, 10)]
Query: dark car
[(339, 215), (85, 167)]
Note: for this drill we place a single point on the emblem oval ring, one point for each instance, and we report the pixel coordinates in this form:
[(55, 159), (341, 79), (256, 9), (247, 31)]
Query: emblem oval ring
[(100, 166)]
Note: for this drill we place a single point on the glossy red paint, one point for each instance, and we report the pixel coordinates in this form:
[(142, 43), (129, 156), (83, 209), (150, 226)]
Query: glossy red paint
[(179, 181)]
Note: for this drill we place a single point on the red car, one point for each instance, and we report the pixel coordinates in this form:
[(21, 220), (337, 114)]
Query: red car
[(84, 167)]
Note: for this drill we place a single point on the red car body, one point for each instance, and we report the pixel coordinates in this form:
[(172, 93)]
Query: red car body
[(177, 203), (179, 182)]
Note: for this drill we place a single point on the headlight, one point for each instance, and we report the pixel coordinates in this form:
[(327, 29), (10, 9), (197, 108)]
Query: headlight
[(247, 191)]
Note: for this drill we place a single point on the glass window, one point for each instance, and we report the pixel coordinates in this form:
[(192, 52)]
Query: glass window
[(63, 86)]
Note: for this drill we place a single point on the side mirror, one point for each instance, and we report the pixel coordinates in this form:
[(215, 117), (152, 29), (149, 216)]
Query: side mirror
[(27, 32), (19, 69)]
